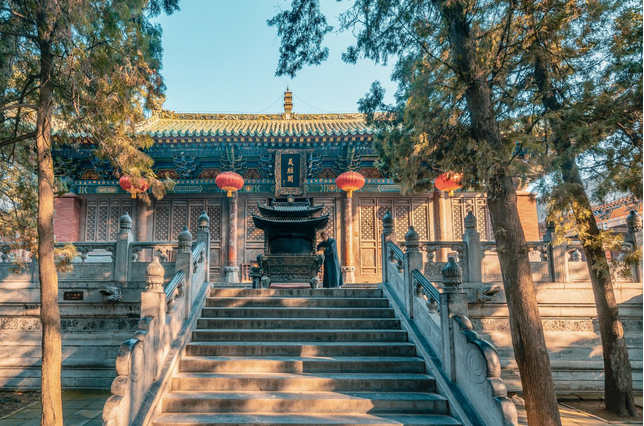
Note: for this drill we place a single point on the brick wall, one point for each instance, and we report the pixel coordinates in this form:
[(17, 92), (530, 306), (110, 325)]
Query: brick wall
[(527, 206), (67, 218)]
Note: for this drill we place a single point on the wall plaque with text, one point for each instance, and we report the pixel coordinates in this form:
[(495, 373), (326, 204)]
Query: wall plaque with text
[(73, 295), (290, 172)]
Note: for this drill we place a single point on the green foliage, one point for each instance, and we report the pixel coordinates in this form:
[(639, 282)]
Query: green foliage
[(107, 57), (301, 44), (592, 51)]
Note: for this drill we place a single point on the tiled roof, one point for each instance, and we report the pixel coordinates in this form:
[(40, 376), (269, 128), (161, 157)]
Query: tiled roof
[(169, 124)]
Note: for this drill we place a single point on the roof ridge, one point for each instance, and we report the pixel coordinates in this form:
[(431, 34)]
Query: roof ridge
[(172, 115)]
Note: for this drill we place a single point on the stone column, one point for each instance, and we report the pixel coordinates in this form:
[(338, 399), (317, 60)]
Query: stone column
[(413, 259), (153, 305), (203, 236), (549, 237), (122, 254), (183, 262), (387, 234), (453, 302), (231, 270), (141, 225), (348, 269), (474, 256)]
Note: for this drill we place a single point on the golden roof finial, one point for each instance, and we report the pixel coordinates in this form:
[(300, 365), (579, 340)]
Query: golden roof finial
[(288, 103)]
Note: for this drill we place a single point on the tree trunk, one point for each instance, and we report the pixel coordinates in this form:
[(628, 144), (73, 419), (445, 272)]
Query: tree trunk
[(618, 377), (52, 405), (528, 341), (618, 380), (526, 328)]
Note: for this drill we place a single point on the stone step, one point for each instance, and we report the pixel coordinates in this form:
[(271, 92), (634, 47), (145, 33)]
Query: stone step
[(287, 335), (308, 302), (297, 364), (305, 402), (296, 292), (293, 312), (298, 323), (267, 382), (366, 349), (169, 419)]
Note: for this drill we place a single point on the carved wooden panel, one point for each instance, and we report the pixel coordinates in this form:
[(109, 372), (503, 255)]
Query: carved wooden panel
[(102, 218), (330, 209), (461, 206), (171, 215), (406, 211), (253, 236), (162, 221), (90, 221), (252, 232), (368, 236), (401, 218), (214, 213), (420, 218), (179, 218)]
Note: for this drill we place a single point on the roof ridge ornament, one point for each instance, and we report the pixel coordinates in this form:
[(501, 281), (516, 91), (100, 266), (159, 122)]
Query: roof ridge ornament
[(288, 103)]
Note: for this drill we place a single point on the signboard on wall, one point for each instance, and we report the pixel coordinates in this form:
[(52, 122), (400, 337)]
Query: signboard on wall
[(290, 172)]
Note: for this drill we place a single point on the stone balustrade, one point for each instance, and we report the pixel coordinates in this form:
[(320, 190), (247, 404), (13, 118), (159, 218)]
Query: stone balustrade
[(166, 314), (447, 315), (468, 366)]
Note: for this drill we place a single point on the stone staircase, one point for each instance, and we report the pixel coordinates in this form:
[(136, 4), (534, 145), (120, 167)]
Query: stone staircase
[(301, 357)]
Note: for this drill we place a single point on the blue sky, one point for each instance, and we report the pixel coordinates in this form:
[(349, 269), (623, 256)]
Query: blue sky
[(221, 56)]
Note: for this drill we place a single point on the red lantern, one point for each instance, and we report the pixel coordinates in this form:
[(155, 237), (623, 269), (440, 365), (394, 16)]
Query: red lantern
[(449, 182), (350, 181), (134, 185), (229, 182)]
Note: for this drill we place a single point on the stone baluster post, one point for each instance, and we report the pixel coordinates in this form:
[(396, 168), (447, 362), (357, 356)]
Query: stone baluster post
[(231, 270), (122, 253), (348, 269), (387, 235), (474, 254), (560, 262), (183, 263), (203, 236), (141, 226), (153, 305), (413, 260), (549, 237), (634, 236), (453, 302)]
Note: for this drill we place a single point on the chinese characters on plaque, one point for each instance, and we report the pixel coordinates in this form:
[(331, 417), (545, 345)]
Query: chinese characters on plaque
[(290, 173)]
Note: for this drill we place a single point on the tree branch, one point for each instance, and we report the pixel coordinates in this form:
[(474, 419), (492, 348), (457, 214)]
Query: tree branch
[(17, 139)]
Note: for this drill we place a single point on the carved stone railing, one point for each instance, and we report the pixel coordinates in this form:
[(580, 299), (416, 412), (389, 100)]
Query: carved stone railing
[(144, 363), (468, 368), (432, 267), (565, 262), (173, 290), (395, 255), (427, 290), (142, 252)]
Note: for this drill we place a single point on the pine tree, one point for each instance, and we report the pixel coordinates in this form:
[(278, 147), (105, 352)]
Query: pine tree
[(76, 68), (456, 111), (592, 110)]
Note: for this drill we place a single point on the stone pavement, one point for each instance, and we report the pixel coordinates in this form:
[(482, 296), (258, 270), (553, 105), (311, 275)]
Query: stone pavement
[(80, 408), (572, 417), (84, 408)]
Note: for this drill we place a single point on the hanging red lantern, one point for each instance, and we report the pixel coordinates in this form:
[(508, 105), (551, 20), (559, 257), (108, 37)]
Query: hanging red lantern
[(229, 182), (350, 181), (449, 182), (134, 185)]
